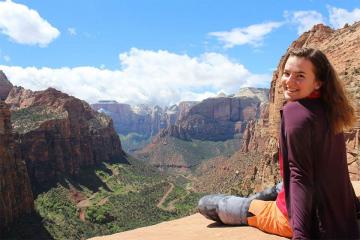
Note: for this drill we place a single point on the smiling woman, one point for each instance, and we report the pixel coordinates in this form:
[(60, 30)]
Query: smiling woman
[(317, 200), (298, 79)]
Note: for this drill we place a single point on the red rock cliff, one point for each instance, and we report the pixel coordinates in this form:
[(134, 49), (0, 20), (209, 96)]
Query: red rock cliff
[(60, 134), (16, 196)]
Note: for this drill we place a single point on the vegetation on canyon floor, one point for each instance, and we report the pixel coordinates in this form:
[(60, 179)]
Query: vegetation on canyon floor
[(121, 197)]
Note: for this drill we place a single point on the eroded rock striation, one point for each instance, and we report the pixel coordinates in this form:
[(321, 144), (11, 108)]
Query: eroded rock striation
[(16, 198), (5, 86), (216, 119), (59, 134)]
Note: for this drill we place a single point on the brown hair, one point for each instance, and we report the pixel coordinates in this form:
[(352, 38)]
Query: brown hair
[(340, 112)]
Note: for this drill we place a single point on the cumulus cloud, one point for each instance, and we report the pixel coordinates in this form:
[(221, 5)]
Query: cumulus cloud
[(152, 77), (24, 25), (304, 20), (253, 34), (338, 17)]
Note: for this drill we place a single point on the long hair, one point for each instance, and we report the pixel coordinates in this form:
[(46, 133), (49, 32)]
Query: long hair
[(340, 112)]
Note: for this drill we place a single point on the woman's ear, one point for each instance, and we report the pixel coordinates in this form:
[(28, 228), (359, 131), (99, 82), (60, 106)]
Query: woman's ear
[(318, 85)]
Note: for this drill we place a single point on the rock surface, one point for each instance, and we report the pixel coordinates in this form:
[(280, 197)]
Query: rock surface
[(16, 198), (59, 134), (5, 86), (216, 119)]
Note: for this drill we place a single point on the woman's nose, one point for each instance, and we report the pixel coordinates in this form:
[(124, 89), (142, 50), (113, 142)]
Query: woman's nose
[(290, 79)]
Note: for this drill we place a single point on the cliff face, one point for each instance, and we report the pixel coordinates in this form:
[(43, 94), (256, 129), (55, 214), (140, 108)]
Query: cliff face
[(59, 134), (216, 119), (142, 119), (16, 196), (5, 86), (209, 129), (342, 48)]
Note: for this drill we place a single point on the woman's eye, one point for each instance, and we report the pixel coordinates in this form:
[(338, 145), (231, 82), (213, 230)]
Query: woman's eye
[(286, 74)]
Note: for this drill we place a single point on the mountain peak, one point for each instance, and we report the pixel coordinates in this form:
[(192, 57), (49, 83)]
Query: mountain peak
[(5, 86), (261, 93)]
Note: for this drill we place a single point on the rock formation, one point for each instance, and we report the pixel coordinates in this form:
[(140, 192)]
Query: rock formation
[(220, 119), (5, 86), (16, 198), (142, 119), (261, 93), (216, 119), (59, 134)]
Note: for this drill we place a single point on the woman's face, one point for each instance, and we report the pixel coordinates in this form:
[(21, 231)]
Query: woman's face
[(298, 79)]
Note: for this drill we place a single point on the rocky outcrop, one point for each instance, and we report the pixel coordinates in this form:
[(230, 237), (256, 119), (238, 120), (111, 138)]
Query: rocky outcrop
[(5, 86), (194, 227), (59, 134), (16, 197), (216, 119)]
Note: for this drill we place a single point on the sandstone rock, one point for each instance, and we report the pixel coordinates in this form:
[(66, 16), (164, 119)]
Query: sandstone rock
[(59, 134), (261, 93), (5, 86), (16, 198), (218, 118)]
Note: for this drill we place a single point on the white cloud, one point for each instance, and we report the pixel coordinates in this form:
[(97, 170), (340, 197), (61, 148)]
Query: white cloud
[(304, 20), (72, 31), (338, 17), (253, 34), (153, 77), (24, 25)]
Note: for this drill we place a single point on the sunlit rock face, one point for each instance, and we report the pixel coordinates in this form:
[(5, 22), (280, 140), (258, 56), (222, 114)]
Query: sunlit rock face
[(5, 86), (60, 134)]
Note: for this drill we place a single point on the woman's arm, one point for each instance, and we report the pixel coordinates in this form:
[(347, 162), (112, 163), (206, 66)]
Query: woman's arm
[(298, 142)]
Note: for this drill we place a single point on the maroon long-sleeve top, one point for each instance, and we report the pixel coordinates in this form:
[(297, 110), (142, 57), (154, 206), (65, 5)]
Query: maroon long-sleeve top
[(320, 199)]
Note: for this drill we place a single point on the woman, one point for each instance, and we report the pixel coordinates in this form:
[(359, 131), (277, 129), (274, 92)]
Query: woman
[(317, 199)]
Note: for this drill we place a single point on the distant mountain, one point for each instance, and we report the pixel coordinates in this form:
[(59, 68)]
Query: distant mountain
[(261, 93), (5, 86), (141, 119), (212, 128), (147, 121), (216, 119)]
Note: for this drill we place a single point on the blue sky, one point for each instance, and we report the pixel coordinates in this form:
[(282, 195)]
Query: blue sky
[(154, 51)]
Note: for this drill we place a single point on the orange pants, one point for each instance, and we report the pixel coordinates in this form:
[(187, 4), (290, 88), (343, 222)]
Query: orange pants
[(269, 218)]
